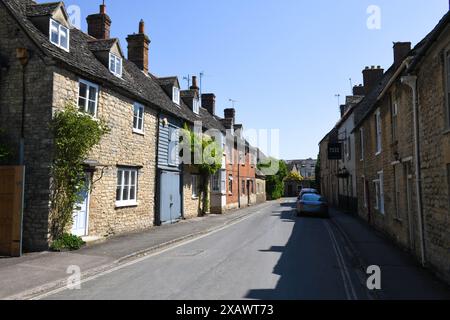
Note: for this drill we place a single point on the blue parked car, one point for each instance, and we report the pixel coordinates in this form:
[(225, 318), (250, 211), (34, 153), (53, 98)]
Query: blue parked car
[(314, 205)]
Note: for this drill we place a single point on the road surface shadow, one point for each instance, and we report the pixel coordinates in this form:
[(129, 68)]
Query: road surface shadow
[(307, 267)]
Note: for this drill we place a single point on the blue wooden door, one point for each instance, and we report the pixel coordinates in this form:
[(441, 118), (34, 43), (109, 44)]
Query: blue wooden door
[(170, 197)]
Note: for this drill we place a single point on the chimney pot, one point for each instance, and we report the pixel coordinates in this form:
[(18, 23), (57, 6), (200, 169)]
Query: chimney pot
[(142, 26), (194, 83), (102, 9)]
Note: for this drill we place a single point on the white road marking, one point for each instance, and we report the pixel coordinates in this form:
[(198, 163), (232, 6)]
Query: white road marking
[(348, 284), (131, 263)]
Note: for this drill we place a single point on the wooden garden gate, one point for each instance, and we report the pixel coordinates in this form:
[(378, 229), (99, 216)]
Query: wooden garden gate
[(11, 204)]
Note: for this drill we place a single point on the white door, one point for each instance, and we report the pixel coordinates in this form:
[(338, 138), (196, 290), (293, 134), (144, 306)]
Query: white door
[(81, 213)]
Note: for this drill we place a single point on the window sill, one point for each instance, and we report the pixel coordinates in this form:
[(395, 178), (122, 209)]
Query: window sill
[(139, 132), (446, 132), (377, 154), (121, 205), (399, 220)]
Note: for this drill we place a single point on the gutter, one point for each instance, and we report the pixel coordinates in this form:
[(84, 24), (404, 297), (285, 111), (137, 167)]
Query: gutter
[(404, 65), (411, 81)]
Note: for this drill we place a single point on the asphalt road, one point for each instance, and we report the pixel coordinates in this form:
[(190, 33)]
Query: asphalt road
[(272, 254)]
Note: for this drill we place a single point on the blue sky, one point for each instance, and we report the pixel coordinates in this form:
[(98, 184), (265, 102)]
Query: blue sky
[(282, 60)]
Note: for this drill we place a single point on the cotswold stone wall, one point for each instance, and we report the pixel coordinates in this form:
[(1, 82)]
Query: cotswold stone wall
[(120, 148), (190, 203), (260, 190), (38, 141), (399, 220), (435, 156)]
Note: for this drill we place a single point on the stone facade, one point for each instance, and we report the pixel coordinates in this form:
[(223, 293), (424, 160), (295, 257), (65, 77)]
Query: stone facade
[(261, 190), (434, 128), (191, 208), (397, 217), (37, 138), (120, 148)]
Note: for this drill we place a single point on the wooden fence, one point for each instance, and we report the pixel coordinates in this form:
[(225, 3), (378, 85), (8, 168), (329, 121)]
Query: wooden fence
[(11, 204)]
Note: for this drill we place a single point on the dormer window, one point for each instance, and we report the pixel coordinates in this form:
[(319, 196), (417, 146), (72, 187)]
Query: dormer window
[(59, 35), (176, 95), (115, 65), (196, 106)]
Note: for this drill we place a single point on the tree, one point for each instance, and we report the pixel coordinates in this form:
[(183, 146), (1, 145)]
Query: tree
[(275, 181), (294, 176)]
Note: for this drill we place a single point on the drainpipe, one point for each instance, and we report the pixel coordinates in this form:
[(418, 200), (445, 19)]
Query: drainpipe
[(23, 57), (411, 81)]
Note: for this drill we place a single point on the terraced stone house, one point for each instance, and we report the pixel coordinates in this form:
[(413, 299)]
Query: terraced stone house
[(135, 174)]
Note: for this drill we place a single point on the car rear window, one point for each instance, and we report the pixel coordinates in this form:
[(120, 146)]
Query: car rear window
[(311, 197)]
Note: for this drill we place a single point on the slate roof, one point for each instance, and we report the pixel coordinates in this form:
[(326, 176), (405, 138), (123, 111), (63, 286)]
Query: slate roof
[(363, 109), (423, 46), (81, 60), (102, 44), (44, 9)]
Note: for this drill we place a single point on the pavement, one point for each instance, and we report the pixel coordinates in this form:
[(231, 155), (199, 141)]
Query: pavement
[(264, 252), (34, 274)]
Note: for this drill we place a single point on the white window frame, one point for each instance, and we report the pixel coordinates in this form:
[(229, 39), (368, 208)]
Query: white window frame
[(447, 89), (365, 192), (118, 62), (139, 117), (216, 181), (361, 138), (379, 193), (230, 184), (378, 132), (89, 86), (196, 106), (127, 202), (394, 121), (60, 29), (174, 142), (195, 187), (349, 148), (176, 95)]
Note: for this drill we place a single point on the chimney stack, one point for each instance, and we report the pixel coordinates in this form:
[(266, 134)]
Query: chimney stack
[(229, 118), (209, 102), (99, 25), (138, 48), (372, 77), (358, 90), (343, 109), (194, 84), (401, 50)]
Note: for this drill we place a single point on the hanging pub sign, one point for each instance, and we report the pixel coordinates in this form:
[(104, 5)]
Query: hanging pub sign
[(334, 151)]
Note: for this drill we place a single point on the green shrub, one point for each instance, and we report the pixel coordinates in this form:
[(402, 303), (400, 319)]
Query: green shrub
[(67, 242)]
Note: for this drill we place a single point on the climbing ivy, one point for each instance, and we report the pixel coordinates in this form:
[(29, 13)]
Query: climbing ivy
[(75, 134)]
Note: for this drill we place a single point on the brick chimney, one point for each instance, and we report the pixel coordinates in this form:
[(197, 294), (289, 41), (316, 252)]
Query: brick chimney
[(343, 109), (99, 24), (209, 102), (229, 118), (372, 77), (401, 50), (358, 90), (194, 84), (138, 48)]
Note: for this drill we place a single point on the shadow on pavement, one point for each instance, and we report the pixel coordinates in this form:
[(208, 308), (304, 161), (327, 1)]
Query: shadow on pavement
[(307, 267)]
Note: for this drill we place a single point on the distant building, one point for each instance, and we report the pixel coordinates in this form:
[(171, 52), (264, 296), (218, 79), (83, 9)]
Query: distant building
[(307, 171)]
